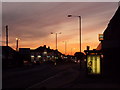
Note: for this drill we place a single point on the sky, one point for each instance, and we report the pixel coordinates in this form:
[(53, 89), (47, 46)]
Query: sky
[(33, 23)]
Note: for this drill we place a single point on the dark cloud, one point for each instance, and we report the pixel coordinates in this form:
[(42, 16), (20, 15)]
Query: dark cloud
[(36, 20)]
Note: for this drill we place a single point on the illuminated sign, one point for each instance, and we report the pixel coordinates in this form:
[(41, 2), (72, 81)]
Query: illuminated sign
[(93, 64), (100, 37)]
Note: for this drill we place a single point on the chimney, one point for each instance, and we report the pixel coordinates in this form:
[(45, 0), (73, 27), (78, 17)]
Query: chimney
[(48, 47), (44, 46), (88, 47)]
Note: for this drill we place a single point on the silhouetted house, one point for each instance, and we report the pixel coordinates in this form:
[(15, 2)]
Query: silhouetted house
[(10, 58), (39, 54), (111, 47), (25, 54), (44, 53)]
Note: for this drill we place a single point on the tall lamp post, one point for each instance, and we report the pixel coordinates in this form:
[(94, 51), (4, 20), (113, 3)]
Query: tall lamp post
[(65, 47), (79, 28), (17, 39), (71, 50), (56, 37)]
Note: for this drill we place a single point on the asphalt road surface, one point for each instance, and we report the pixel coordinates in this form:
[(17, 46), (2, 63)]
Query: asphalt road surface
[(28, 77), (49, 76)]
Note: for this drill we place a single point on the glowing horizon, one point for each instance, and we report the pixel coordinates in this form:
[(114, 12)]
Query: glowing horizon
[(33, 23)]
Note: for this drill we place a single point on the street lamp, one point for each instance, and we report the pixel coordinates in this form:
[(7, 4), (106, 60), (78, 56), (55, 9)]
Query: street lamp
[(65, 47), (79, 27), (17, 39), (71, 50), (56, 37)]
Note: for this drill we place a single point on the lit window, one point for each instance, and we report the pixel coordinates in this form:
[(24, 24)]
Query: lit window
[(45, 52), (32, 56), (48, 56), (56, 57), (39, 56)]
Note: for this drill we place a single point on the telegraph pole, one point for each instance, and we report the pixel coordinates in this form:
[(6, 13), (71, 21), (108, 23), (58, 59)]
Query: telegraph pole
[(6, 35)]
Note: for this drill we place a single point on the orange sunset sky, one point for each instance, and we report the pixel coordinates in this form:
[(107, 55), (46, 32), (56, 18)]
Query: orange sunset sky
[(33, 23)]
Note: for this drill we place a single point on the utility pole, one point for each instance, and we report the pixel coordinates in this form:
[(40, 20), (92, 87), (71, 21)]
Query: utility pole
[(6, 35)]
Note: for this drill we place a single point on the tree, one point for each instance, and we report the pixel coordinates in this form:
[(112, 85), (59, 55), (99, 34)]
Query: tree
[(79, 55)]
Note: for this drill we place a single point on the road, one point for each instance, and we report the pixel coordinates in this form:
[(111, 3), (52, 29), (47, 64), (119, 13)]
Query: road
[(49, 76), (31, 76)]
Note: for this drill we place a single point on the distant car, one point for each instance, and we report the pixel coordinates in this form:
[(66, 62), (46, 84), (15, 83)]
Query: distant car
[(77, 61), (36, 62)]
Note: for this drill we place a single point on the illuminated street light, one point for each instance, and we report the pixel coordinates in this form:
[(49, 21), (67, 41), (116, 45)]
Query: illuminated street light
[(56, 37), (17, 39), (79, 27)]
